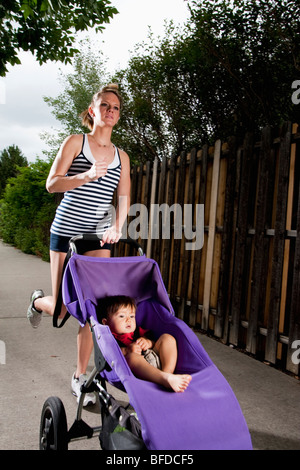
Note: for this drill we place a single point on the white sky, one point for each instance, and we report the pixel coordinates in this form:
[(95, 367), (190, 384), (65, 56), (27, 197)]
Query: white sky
[(23, 112)]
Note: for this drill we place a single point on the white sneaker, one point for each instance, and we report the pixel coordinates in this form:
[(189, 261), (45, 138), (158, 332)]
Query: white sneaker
[(34, 315), (76, 383)]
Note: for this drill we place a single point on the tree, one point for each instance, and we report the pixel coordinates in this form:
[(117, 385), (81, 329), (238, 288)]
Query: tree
[(250, 51), (88, 76), (161, 115), (11, 159), (27, 210), (47, 27), (79, 86), (229, 70)]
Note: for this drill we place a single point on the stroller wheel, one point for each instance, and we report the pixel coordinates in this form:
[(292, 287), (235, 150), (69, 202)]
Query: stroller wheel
[(53, 427)]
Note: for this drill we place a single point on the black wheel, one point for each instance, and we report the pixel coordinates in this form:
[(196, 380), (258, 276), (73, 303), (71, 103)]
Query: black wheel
[(53, 428)]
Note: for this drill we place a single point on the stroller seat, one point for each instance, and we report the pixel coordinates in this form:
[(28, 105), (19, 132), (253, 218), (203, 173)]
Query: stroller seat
[(207, 414)]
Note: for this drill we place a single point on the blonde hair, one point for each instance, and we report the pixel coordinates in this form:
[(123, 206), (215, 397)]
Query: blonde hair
[(86, 118)]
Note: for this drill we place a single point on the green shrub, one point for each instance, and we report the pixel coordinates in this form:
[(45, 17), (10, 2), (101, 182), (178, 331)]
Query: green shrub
[(27, 210)]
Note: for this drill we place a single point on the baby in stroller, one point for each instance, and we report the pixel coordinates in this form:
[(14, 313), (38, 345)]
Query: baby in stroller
[(148, 359), (207, 415)]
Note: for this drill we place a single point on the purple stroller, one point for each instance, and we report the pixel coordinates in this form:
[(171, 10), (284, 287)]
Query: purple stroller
[(206, 416)]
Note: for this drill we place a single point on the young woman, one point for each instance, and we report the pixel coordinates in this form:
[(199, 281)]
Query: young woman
[(87, 169)]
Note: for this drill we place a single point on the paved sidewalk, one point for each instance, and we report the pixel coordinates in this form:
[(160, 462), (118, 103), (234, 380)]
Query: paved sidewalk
[(39, 363)]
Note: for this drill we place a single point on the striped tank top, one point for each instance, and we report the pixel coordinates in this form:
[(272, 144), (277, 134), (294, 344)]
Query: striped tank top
[(87, 209)]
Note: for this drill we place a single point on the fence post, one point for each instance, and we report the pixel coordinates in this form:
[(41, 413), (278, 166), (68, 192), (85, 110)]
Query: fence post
[(258, 281), (279, 238), (152, 201), (177, 242), (198, 253), (158, 243), (187, 254), (294, 326), (166, 272), (240, 242), (146, 201), (211, 235), (227, 250)]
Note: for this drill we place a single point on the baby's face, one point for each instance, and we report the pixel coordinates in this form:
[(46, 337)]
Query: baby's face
[(123, 321)]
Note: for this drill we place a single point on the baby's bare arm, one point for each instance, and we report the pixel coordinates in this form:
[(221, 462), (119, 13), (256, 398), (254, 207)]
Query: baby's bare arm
[(145, 343), (133, 347)]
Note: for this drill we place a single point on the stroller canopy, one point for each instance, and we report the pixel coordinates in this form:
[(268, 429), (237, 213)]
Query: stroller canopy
[(87, 280)]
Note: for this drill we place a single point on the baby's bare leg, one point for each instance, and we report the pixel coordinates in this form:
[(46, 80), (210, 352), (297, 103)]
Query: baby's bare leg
[(166, 348), (145, 371)]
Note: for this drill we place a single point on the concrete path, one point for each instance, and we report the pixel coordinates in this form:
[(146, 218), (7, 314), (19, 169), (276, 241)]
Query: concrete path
[(39, 363)]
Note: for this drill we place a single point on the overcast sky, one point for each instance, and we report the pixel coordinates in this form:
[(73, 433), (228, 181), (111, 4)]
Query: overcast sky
[(23, 112)]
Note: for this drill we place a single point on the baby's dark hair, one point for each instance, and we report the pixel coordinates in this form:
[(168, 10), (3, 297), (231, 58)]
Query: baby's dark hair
[(110, 305)]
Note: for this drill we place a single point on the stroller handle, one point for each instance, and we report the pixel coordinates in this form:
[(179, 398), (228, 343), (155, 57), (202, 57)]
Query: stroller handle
[(95, 237)]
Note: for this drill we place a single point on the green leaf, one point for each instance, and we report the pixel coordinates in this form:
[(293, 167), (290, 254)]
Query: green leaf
[(27, 10)]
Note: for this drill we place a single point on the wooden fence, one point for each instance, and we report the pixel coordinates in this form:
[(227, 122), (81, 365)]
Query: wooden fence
[(243, 285)]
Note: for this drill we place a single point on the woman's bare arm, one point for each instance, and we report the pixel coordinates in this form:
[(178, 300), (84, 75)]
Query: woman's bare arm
[(57, 181)]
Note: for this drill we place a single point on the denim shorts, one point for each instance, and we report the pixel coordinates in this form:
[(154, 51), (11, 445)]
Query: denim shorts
[(60, 243)]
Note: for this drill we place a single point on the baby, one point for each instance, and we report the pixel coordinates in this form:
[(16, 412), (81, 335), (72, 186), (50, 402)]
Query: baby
[(118, 312)]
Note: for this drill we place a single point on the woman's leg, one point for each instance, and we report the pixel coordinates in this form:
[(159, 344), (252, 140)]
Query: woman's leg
[(84, 349), (47, 304), (84, 338)]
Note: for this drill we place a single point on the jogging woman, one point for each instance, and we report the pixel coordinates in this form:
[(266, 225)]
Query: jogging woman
[(87, 169)]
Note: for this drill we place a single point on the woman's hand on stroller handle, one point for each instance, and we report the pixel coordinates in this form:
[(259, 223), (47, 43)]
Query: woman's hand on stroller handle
[(95, 237), (112, 235)]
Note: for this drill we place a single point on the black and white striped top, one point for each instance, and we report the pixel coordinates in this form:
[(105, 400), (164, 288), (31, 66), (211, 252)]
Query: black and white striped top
[(87, 209)]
